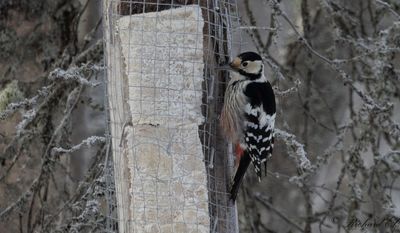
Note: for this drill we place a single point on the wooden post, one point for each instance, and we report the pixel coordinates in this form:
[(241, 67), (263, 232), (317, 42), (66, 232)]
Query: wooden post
[(163, 121)]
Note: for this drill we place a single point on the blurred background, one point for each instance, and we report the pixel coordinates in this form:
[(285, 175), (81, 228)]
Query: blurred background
[(335, 68)]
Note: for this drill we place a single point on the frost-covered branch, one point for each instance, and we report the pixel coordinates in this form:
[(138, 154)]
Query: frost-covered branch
[(288, 91), (299, 154), (26, 103), (88, 142), (18, 204), (75, 74), (44, 110)]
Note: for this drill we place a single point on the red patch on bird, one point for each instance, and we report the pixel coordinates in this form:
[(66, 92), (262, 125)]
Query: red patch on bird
[(239, 153)]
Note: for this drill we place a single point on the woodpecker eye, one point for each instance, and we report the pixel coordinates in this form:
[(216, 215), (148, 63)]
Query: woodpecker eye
[(244, 64)]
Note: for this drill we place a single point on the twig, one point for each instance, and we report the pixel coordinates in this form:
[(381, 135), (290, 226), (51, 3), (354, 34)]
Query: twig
[(385, 4), (262, 200), (256, 28)]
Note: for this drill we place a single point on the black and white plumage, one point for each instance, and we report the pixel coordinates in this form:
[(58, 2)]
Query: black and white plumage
[(248, 115)]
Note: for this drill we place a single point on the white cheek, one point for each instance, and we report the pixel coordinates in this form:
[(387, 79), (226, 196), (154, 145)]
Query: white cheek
[(253, 68)]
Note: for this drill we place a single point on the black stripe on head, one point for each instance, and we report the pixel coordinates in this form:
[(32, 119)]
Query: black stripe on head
[(249, 75), (250, 56)]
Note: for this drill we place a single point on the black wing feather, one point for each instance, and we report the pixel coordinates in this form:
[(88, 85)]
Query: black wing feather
[(259, 94)]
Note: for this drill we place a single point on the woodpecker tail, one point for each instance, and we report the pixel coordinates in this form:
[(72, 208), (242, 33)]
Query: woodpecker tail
[(237, 180)]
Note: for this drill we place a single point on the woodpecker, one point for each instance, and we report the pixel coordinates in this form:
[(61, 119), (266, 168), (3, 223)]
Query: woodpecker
[(248, 115)]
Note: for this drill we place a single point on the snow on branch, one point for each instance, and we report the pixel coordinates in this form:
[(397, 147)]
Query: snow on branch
[(88, 142)]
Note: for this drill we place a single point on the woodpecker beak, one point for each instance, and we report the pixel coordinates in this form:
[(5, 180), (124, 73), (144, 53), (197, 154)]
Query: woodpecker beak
[(232, 66), (225, 67), (235, 64)]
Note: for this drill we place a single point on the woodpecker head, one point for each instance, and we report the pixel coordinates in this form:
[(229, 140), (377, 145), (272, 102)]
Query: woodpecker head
[(248, 64)]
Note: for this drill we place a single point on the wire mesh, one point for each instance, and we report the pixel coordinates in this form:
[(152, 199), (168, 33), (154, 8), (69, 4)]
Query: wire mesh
[(171, 168)]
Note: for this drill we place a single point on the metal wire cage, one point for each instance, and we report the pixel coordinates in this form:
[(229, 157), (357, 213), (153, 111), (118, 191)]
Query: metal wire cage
[(171, 168)]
